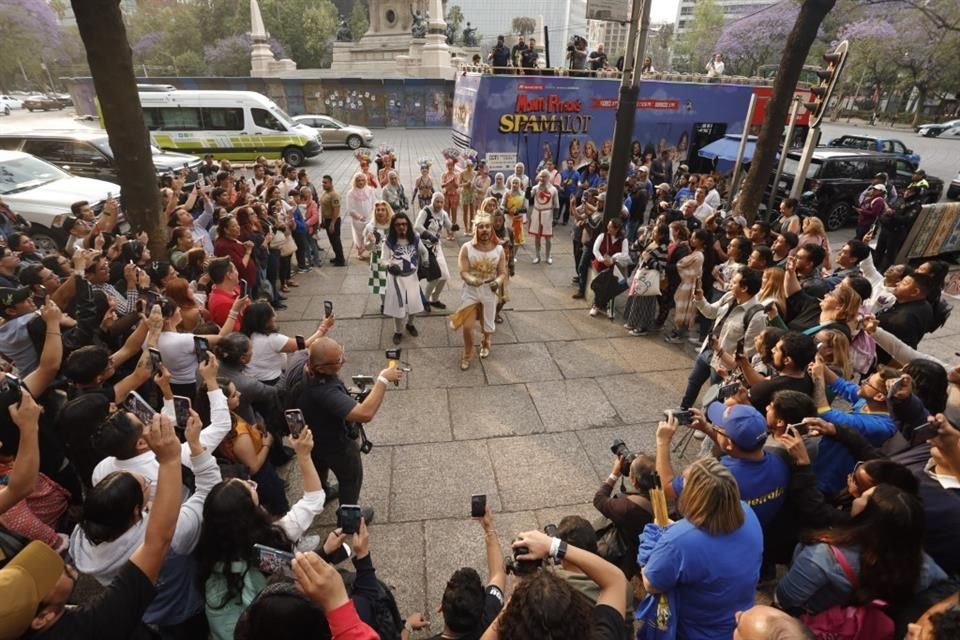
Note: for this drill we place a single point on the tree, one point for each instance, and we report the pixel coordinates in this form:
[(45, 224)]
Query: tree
[(801, 38), (359, 20), (230, 56), (658, 47), (756, 39), (523, 25), (29, 31), (455, 21), (111, 64), (698, 43), (308, 41), (869, 63)]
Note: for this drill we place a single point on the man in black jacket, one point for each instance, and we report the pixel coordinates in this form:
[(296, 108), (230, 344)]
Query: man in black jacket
[(499, 57), (911, 317), (662, 167), (516, 53)]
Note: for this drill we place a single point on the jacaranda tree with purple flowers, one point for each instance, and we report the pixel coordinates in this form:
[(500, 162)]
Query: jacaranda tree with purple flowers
[(30, 34), (758, 38)]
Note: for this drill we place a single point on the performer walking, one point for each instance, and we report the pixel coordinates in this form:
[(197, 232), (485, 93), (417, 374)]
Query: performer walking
[(359, 204), (542, 212), (430, 224), (373, 236), (450, 185), (484, 270), (423, 186), (402, 253)]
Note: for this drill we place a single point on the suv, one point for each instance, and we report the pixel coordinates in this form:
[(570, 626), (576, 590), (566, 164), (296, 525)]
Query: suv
[(883, 145), (839, 176), (87, 153), (42, 194)]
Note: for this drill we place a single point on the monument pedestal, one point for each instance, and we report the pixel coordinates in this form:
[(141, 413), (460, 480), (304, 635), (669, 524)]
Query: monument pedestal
[(435, 57)]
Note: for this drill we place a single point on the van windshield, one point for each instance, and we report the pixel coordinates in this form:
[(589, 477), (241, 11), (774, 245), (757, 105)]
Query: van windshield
[(791, 164)]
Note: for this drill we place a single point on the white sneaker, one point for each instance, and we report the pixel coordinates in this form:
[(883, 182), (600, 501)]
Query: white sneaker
[(536, 260), (594, 312), (549, 260), (610, 313), (308, 543)]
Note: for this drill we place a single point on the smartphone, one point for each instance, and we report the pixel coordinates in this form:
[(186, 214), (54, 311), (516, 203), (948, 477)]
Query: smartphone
[(243, 288), (740, 344), (155, 358), (301, 343), (683, 416), (41, 291), (801, 428), (727, 390), (181, 407), (922, 433), (202, 348), (295, 421), (348, 518), (392, 355), (270, 560), (139, 407), (327, 308), (12, 382), (478, 505), (895, 387)]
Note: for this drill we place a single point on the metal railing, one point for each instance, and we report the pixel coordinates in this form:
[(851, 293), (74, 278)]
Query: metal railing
[(668, 76)]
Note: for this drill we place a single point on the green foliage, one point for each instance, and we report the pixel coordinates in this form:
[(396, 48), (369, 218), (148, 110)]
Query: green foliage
[(697, 44), (658, 47), (455, 17), (359, 20), (523, 25)]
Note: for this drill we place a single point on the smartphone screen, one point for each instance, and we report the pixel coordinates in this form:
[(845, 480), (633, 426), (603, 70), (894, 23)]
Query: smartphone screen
[(270, 560), (181, 406), (295, 421), (155, 359), (923, 432), (801, 428), (327, 308), (740, 345), (301, 343), (202, 349), (243, 288), (348, 518), (139, 407), (478, 505), (684, 417)]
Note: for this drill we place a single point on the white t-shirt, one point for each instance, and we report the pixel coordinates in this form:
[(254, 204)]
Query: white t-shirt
[(179, 356), (268, 361)]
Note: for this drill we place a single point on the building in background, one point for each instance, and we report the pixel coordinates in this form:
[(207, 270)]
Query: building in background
[(731, 9), (612, 35), (562, 18)]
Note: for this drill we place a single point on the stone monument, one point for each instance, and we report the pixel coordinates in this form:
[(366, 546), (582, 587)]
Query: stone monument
[(263, 63)]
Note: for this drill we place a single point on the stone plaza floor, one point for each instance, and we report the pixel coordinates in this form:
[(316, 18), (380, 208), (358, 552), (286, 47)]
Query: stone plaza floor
[(530, 427)]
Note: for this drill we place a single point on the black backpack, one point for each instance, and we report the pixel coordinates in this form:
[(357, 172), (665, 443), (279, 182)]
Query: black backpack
[(387, 621)]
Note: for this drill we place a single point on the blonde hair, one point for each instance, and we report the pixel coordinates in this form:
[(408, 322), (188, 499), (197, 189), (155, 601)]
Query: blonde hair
[(840, 346), (848, 303), (489, 200), (815, 227), (385, 204), (711, 499), (772, 287)]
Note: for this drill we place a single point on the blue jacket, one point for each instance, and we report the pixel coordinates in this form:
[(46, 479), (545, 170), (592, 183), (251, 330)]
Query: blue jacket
[(569, 182), (834, 461)]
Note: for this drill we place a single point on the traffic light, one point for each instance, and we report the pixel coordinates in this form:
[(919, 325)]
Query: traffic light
[(828, 79)]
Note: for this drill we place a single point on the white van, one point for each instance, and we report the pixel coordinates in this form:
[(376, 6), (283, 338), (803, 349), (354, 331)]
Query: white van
[(237, 125)]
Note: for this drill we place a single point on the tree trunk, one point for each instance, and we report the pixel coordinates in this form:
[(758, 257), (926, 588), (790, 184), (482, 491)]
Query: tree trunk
[(921, 101), (802, 36), (111, 64)]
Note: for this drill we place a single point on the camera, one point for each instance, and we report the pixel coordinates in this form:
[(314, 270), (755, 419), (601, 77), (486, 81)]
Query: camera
[(620, 448), (550, 530), (362, 386), (521, 568)]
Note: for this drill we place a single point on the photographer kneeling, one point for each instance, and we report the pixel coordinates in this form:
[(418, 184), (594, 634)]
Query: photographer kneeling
[(328, 409), (544, 606), (628, 512)]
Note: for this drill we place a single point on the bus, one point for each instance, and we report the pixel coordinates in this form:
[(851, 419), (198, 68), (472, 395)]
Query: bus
[(510, 119), (237, 125)]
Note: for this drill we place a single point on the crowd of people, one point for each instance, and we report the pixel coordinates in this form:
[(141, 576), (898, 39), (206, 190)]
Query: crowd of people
[(150, 404)]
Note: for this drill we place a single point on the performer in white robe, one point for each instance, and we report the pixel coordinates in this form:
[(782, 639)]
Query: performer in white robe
[(401, 254), (431, 222)]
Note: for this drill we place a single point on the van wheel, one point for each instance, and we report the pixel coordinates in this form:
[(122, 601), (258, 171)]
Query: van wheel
[(47, 240), (354, 142), (837, 216), (293, 156)]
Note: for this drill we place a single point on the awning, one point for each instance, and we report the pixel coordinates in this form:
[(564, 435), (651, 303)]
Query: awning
[(725, 149)]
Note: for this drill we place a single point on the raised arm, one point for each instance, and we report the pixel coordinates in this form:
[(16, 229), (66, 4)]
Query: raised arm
[(22, 479), (52, 355), (495, 567)]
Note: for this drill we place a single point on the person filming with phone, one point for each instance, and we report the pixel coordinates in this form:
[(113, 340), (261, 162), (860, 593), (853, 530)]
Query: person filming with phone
[(328, 408)]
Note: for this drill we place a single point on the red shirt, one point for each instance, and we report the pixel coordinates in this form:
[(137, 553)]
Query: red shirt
[(219, 304), (236, 250)]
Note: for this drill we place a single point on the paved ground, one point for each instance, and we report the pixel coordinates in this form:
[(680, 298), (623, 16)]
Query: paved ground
[(530, 427)]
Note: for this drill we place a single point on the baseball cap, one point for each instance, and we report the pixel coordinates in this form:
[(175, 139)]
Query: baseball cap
[(741, 423), (10, 296), (26, 579), (882, 188), (663, 186), (642, 169)]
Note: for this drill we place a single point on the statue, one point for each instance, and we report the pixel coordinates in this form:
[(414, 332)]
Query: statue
[(419, 27), (451, 34), (343, 31), (470, 36)]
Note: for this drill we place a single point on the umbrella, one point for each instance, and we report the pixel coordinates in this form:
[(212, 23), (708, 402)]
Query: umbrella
[(725, 149)]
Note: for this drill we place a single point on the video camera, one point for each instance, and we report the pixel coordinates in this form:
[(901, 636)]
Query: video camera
[(522, 568), (620, 448), (362, 386)]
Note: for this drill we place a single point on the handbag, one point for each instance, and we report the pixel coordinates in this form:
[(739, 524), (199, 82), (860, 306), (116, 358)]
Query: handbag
[(852, 622), (645, 282)]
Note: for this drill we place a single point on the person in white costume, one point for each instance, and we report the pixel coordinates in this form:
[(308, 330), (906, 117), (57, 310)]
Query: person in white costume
[(483, 268), (544, 206), (359, 205), (401, 254), (430, 224)]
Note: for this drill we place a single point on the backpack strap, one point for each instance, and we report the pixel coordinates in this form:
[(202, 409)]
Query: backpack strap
[(749, 314), (845, 565)]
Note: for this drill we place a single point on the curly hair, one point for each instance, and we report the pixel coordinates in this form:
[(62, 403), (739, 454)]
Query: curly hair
[(544, 606)]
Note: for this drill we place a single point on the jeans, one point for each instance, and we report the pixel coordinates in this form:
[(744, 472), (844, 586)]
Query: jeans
[(302, 240), (564, 212), (316, 253), (346, 465), (632, 227), (273, 273), (701, 372), (583, 269)]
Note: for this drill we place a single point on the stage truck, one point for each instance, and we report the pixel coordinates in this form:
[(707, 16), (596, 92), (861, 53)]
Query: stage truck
[(510, 119)]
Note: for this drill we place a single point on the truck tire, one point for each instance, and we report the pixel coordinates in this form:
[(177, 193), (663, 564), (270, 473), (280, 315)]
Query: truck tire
[(293, 156), (837, 215)]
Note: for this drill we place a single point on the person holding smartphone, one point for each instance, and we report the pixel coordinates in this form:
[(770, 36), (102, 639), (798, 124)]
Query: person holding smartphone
[(269, 345), (328, 409)]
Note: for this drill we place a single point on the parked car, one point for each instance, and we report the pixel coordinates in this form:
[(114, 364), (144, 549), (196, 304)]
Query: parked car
[(334, 132), (9, 102), (838, 177), (41, 103), (42, 193), (884, 145), (63, 99), (87, 153), (953, 191), (953, 133), (932, 130)]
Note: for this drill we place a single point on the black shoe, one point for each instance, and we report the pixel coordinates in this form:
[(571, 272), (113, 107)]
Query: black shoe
[(437, 304), (412, 330), (339, 263), (331, 493), (575, 279), (397, 337), (279, 306), (579, 295), (281, 297), (367, 514)]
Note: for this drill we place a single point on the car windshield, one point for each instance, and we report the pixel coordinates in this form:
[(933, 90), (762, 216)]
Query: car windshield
[(791, 164), (21, 174), (282, 116), (104, 145)]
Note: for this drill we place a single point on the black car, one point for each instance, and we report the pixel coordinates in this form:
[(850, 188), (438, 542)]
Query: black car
[(87, 153), (838, 177)]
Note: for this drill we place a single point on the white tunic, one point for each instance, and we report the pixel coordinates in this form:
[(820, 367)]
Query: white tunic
[(402, 297), (435, 223), (483, 265)]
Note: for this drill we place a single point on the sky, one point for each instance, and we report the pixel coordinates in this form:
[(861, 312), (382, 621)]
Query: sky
[(663, 11)]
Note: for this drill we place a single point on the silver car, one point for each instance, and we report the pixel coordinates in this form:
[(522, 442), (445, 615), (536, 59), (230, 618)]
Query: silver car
[(334, 132)]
